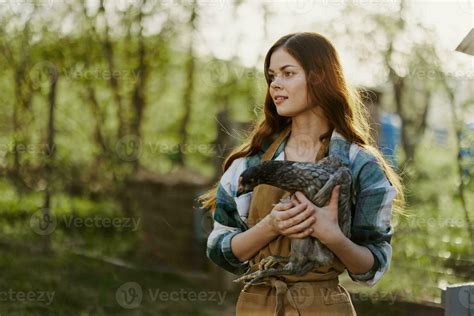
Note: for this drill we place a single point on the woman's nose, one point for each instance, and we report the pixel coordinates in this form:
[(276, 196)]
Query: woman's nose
[(275, 83)]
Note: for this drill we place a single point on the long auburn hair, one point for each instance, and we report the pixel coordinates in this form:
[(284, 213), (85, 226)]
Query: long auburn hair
[(327, 88)]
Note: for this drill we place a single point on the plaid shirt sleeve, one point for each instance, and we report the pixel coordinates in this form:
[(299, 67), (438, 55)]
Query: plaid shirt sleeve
[(229, 220), (371, 226)]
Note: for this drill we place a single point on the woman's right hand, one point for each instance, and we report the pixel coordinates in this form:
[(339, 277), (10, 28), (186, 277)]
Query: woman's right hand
[(292, 219)]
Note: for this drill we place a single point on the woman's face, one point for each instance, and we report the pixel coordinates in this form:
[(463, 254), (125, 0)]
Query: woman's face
[(288, 80)]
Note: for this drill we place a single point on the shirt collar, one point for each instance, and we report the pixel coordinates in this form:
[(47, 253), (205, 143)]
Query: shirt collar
[(340, 147)]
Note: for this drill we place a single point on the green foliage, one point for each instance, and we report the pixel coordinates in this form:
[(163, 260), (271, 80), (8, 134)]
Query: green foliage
[(91, 162), (431, 245)]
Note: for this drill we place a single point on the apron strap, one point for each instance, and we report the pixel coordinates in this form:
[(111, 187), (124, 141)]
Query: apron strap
[(274, 146)]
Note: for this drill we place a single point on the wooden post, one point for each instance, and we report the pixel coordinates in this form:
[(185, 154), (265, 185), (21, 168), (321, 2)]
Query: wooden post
[(458, 299)]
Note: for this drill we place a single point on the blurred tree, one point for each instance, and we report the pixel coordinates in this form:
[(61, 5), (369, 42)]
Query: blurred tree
[(16, 52), (90, 59), (49, 163), (405, 50), (459, 127), (189, 86), (141, 71)]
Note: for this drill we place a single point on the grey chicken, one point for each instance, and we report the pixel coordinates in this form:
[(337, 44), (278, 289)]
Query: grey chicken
[(316, 181)]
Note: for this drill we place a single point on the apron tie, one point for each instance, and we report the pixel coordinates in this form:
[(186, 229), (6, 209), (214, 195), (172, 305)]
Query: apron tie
[(282, 289)]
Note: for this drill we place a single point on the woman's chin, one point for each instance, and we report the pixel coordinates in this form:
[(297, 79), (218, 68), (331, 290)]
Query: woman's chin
[(285, 112)]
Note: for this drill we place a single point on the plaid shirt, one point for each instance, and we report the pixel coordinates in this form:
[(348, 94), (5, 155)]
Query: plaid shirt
[(372, 196)]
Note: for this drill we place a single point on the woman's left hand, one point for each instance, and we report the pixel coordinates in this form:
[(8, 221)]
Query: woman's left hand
[(326, 227)]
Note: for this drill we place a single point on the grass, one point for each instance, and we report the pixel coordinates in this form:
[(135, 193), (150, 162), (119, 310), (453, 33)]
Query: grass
[(83, 286)]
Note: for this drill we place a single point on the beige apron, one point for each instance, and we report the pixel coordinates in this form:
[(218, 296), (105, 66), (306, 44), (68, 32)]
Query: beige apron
[(316, 293)]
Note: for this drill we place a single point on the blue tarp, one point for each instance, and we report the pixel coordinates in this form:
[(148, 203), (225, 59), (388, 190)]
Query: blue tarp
[(389, 136)]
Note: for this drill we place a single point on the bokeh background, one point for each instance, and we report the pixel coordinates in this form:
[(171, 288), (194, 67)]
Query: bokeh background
[(116, 115)]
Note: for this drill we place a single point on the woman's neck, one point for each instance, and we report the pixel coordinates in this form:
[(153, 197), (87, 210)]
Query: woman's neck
[(307, 129), (304, 141)]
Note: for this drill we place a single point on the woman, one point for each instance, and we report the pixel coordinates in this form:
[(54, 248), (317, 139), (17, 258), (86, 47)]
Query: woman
[(309, 113)]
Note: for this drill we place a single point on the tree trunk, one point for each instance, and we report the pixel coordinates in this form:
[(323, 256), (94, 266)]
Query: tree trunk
[(113, 82), (187, 96), (138, 97), (53, 77)]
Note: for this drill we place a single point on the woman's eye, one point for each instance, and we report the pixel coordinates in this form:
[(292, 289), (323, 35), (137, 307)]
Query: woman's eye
[(286, 74)]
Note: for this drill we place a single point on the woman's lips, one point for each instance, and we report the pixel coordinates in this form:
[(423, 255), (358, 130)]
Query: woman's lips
[(279, 100)]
